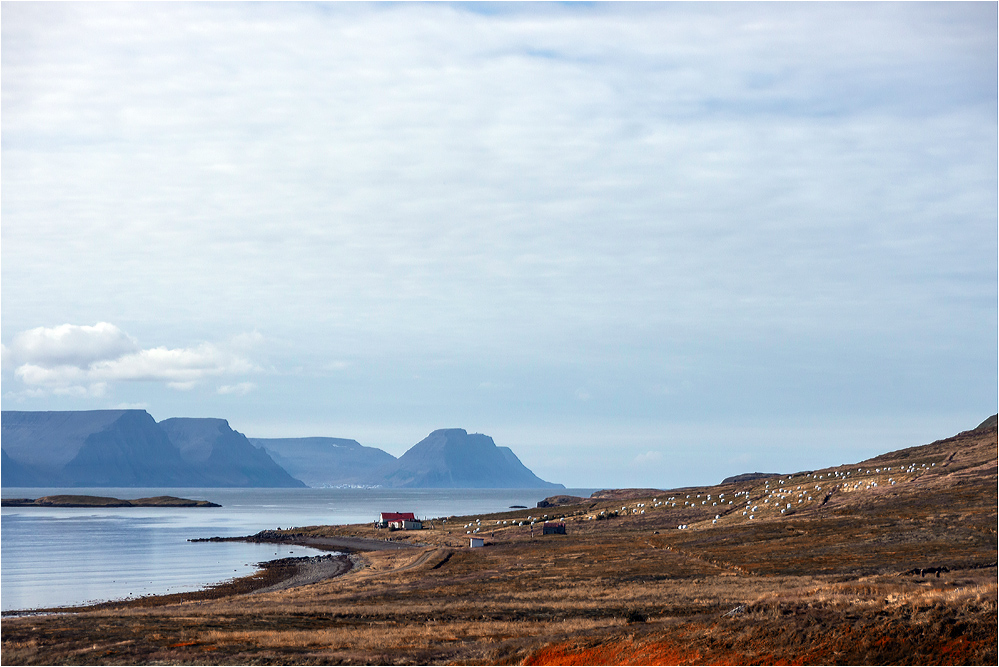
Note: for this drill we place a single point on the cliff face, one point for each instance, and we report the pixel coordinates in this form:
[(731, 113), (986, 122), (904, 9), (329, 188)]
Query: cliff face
[(51, 439), (453, 458), (132, 451), (321, 462), (223, 456), (15, 473), (91, 448), (127, 448)]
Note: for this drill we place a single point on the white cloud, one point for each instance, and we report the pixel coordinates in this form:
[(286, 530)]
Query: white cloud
[(182, 386), (177, 365), (647, 458), (240, 389), (78, 360), (131, 406), (246, 341), (70, 345), (336, 366)]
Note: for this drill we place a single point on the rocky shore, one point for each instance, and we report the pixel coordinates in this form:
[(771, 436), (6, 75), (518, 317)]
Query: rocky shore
[(305, 571), (326, 543)]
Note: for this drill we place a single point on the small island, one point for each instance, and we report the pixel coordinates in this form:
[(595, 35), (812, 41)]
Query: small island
[(99, 501)]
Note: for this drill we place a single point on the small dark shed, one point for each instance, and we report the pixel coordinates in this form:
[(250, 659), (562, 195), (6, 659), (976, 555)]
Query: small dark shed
[(553, 528)]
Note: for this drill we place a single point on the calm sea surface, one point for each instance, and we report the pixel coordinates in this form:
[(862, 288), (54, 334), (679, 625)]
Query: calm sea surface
[(52, 556)]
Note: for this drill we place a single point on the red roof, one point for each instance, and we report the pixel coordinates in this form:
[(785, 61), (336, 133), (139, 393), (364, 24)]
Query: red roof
[(398, 516)]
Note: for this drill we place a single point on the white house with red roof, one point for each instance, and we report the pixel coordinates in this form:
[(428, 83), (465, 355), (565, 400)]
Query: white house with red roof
[(399, 521)]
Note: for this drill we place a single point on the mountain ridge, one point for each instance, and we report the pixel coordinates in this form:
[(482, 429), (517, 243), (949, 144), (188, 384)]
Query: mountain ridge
[(325, 462), (123, 448), (128, 448)]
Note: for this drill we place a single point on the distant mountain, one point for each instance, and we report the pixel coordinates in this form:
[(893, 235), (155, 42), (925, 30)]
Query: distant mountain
[(224, 456), (96, 448), (15, 473), (323, 462), (453, 458), (127, 448)]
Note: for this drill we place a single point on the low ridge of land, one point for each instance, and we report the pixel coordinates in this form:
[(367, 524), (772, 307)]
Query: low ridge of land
[(890, 560), (101, 501)]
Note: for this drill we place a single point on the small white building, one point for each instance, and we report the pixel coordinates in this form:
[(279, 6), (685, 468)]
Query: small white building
[(476, 542)]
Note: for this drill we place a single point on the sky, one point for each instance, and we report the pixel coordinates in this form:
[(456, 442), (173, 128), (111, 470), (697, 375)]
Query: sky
[(643, 245)]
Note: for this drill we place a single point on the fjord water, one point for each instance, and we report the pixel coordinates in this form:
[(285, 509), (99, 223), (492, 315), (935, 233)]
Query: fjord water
[(65, 556)]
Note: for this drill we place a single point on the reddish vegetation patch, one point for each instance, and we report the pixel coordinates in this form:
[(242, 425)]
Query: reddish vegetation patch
[(757, 641), (625, 652)]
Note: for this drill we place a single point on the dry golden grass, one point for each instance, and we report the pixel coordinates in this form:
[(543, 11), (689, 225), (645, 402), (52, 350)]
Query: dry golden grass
[(408, 637)]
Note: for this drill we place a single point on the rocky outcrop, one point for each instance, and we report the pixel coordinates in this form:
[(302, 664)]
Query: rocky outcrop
[(749, 477), (559, 501), (623, 494)]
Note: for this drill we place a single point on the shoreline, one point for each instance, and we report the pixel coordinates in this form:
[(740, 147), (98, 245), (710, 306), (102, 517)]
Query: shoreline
[(324, 543), (273, 575)]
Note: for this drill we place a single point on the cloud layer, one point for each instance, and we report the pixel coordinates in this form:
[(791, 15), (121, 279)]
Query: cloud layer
[(617, 215)]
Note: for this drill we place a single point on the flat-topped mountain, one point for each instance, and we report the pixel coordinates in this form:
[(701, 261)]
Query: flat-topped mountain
[(453, 458), (96, 448), (127, 448), (226, 457), (321, 462)]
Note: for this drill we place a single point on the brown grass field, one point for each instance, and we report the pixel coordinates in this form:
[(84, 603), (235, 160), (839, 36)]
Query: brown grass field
[(861, 571)]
